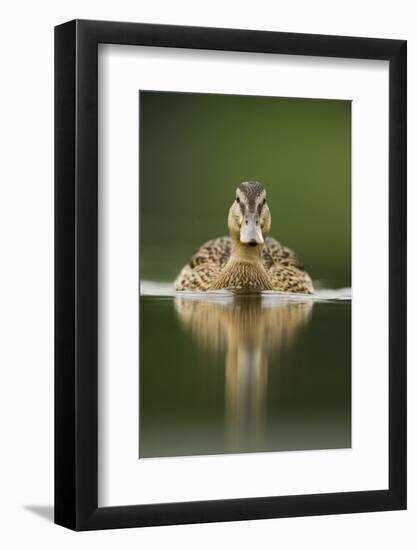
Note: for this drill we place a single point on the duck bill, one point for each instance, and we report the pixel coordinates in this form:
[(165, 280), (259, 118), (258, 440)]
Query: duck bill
[(250, 232)]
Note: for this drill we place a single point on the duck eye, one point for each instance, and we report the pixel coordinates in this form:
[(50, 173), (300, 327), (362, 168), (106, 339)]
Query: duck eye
[(264, 201), (237, 199)]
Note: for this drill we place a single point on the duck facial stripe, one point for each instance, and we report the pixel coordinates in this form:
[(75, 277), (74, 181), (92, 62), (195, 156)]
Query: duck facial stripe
[(252, 191)]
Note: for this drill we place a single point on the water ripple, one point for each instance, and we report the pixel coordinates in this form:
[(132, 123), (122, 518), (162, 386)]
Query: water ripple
[(153, 288)]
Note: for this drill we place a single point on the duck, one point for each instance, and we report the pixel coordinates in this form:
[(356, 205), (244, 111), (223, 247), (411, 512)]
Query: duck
[(247, 259)]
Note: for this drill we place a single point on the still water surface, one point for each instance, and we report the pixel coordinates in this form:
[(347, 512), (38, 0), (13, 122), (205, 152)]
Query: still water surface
[(234, 373)]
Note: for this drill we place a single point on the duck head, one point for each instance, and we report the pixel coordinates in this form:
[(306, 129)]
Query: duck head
[(249, 218)]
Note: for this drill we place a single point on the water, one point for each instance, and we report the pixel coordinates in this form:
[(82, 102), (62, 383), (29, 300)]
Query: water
[(225, 372)]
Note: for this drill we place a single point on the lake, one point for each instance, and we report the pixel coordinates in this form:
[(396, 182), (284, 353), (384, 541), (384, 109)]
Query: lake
[(227, 372)]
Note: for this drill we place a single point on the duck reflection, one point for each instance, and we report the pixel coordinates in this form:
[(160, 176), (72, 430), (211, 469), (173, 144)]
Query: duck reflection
[(247, 329)]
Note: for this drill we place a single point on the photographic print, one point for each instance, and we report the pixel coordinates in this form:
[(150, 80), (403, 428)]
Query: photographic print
[(218, 193), (245, 274)]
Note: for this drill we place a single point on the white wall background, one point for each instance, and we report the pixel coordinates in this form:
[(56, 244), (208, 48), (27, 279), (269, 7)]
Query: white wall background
[(26, 273)]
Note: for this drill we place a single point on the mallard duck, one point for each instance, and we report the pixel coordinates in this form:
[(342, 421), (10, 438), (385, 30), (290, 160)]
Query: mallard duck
[(248, 258)]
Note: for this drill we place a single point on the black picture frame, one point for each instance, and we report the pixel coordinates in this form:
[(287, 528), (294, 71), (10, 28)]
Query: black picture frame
[(76, 272)]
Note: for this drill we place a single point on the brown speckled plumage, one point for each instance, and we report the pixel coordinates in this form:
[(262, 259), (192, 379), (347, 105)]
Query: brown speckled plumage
[(284, 270), (227, 262)]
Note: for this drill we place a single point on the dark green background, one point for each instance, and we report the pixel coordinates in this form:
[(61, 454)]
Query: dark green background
[(196, 148)]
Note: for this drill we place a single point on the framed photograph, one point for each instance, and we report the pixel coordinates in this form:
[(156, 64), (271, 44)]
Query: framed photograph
[(230, 248)]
